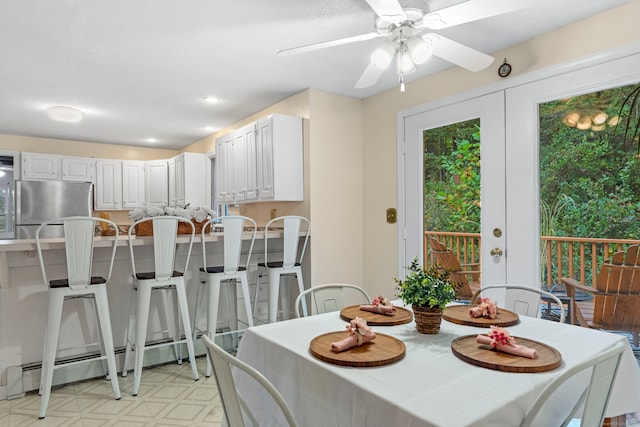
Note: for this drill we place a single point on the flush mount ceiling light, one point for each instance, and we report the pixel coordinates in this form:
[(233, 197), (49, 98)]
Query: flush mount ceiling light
[(210, 99), (61, 113)]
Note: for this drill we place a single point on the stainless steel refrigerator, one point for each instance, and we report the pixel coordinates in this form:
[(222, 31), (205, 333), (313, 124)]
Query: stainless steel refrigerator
[(40, 201)]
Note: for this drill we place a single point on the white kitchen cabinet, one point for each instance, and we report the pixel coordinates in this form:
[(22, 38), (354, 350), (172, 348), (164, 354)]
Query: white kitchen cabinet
[(108, 188), (171, 174), (79, 169), (190, 179), (133, 189), (280, 158), (36, 166), (156, 183), (224, 169)]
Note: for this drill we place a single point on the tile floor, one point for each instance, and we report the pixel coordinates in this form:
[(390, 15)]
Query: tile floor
[(168, 397)]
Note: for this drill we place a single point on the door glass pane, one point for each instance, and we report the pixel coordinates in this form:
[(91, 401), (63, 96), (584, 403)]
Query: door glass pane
[(589, 184), (452, 189)]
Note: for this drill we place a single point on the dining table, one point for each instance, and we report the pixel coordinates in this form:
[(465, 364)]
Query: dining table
[(429, 385)]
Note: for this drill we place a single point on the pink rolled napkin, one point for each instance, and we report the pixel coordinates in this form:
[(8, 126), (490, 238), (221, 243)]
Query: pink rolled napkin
[(359, 333), (486, 308), (380, 305), (500, 339)]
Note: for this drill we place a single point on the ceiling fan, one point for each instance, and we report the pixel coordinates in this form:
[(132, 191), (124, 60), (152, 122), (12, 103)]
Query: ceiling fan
[(404, 25)]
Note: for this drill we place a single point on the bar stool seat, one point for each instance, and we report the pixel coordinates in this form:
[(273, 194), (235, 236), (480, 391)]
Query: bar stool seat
[(290, 266), (79, 283), (163, 277), (213, 276)]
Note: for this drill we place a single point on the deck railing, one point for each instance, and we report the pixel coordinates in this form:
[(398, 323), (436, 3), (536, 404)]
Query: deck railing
[(575, 257)]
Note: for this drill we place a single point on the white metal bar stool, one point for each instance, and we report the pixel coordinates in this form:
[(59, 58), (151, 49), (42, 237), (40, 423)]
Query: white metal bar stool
[(291, 265), (164, 276), (212, 276), (79, 283)]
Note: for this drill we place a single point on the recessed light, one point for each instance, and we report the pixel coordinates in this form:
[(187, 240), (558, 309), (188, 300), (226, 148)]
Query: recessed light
[(211, 129), (210, 99), (61, 113), (152, 140)]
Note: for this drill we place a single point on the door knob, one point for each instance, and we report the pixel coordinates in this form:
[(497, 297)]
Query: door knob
[(496, 252)]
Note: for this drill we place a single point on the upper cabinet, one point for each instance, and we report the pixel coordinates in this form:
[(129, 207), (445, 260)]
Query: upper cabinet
[(189, 180), (262, 161), (108, 191), (280, 158), (133, 184), (38, 166), (157, 181)]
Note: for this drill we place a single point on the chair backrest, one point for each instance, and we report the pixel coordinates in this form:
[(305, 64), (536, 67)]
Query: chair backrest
[(165, 229), (291, 226), (446, 260), (524, 300), (596, 394), (332, 296), (234, 227), (232, 402), (617, 302), (79, 232)]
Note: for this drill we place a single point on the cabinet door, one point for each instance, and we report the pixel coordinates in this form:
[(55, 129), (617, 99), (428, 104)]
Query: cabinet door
[(224, 170), (239, 167), (179, 181), (250, 163), (108, 194), (265, 158), (40, 166), (157, 183), (78, 169), (132, 184), (171, 170)]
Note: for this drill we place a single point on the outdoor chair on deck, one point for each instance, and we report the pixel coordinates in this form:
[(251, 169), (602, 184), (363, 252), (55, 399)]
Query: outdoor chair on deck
[(459, 274), (616, 296)]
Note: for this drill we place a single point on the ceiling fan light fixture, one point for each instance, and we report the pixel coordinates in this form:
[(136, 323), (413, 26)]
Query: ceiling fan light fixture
[(64, 114), (419, 50), (404, 64), (383, 55)]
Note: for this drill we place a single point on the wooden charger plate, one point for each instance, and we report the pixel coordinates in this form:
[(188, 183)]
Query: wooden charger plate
[(460, 314), (401, 316), (383, 350), (466, 348)]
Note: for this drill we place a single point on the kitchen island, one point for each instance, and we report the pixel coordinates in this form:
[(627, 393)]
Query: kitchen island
[(23, 303)]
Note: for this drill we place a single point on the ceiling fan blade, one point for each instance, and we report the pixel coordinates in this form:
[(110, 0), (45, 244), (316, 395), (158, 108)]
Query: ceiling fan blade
[(458, 54), (330, 43), (389, 10), (472, 10), (369, 77)]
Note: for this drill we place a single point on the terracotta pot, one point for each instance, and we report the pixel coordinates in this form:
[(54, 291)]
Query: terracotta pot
[(427, 319)]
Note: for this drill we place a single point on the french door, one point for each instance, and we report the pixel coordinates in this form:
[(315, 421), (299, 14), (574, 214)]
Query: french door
[(489, 109)]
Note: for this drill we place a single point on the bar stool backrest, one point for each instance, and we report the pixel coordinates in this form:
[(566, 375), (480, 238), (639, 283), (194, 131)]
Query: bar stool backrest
[(165, 229), (234, 226), (79, 235), (293, 225)]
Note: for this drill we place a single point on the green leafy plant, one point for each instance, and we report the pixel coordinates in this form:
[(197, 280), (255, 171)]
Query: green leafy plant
[(421, 288)]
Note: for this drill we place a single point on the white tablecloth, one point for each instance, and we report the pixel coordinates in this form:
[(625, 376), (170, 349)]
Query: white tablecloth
[(428, 387)]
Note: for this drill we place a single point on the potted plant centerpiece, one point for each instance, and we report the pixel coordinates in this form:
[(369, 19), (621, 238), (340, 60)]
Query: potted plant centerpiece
[(428, 292)]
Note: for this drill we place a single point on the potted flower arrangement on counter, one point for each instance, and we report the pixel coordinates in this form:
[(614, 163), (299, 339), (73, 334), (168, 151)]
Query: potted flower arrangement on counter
[(428, 292), (197, 215)]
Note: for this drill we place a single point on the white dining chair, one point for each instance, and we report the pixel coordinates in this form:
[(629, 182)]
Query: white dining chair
[(519, 299), (331, 297), (289, 266), (232, 270), (164, 276), (595, 396), (232, 402), (79, 283)]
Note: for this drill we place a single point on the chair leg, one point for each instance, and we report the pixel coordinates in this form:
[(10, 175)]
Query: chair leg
[(213, 291), (130, 334), (274, 288), (54, 317), (256, 297), (183, 307), (102, 307), (301, 290), (244, 281), (142, 319), (196, 311), (169, 304)]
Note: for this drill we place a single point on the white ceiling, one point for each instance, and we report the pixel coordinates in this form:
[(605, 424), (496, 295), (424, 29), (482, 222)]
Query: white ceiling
[(139, 68)]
